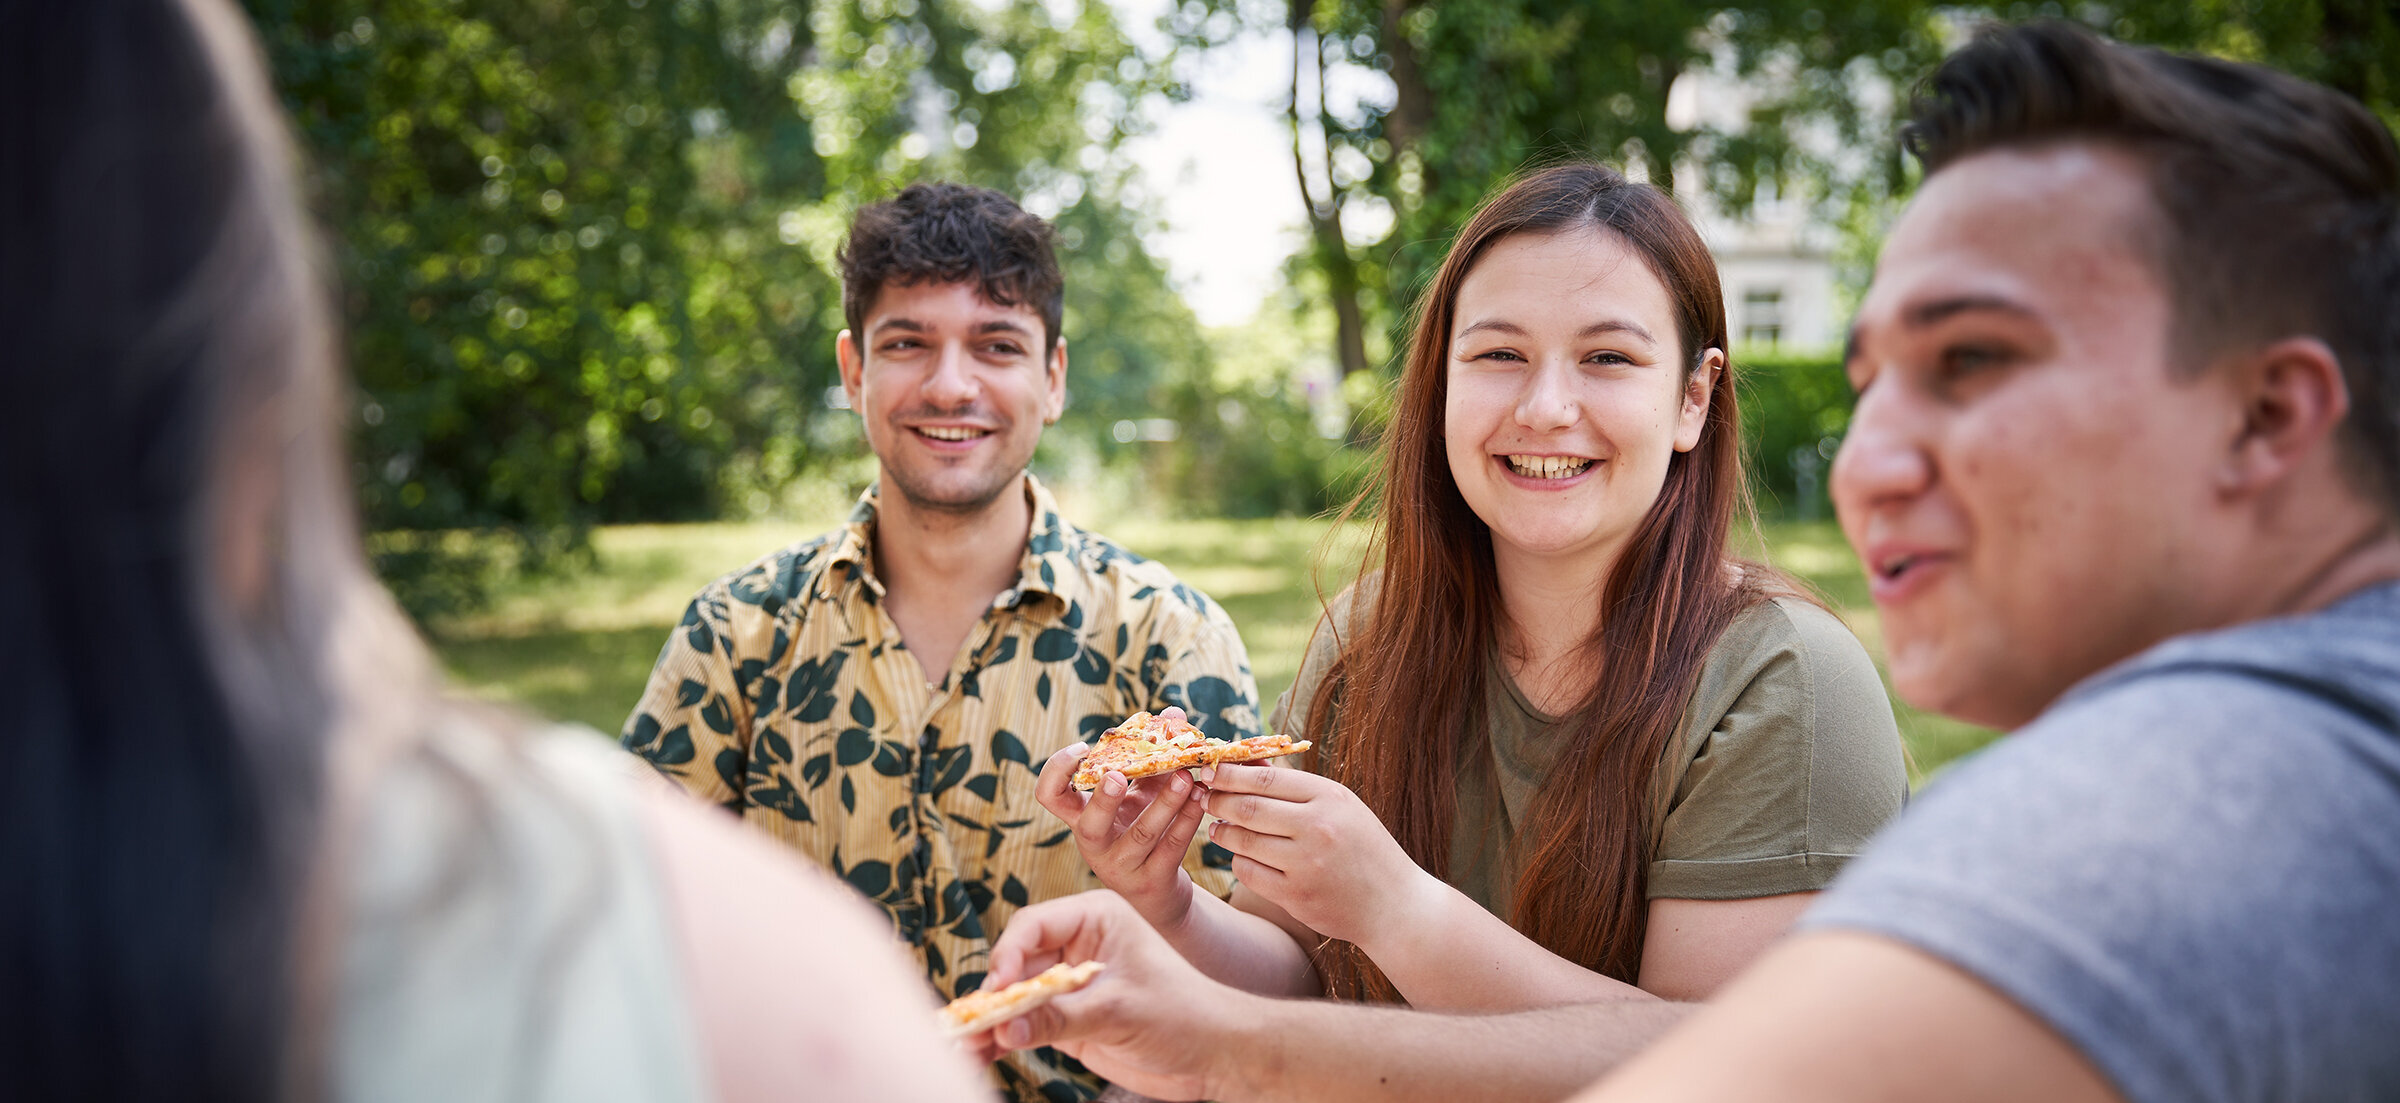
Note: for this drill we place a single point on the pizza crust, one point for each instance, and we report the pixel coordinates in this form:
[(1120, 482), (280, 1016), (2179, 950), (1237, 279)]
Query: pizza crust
[(977, 1012)]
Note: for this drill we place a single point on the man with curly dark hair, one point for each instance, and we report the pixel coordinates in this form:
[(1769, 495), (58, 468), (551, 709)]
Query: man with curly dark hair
[(881, 698)]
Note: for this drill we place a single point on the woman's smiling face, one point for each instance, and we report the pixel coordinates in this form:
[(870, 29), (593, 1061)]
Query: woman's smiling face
[(1567, 394)]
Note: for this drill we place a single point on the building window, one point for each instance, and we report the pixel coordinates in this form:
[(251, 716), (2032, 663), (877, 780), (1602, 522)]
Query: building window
[(1762, 316)]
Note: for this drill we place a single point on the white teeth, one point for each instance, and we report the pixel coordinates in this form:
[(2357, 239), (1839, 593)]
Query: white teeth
[(1547, 467), (945, 432)]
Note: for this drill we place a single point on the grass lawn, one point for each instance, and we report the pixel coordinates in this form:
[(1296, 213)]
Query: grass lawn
[(579, 646)]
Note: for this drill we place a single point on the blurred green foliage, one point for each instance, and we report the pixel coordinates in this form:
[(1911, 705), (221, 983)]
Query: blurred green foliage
[(1794, 411), (588, 245)]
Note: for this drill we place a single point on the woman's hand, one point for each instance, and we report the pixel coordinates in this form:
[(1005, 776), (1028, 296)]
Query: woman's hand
[(1132, 833), (1308, 845)]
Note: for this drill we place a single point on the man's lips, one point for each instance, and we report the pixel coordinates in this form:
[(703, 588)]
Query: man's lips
[(1897, 571), (953, 436)]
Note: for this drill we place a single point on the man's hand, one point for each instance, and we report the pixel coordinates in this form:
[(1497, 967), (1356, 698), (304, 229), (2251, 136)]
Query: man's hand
[(1308, 845), (1132, 833), (1150, 1021)]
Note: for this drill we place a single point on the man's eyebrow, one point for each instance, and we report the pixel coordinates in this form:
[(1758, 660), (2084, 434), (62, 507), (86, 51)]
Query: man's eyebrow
[(1924, 314), (909, 324), (1003, 325)]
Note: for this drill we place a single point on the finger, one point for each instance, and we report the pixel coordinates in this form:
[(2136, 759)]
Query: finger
[(1244, 843), (1143, 835), (1269, 781), (1055, 789), (1265, 815), (1039, 1027), (1036, 937), (1098, 822), (1170, 850), (1267, 881)]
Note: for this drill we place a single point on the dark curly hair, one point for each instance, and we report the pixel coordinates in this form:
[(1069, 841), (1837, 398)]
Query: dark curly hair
[(951, 233), (2278, 200)]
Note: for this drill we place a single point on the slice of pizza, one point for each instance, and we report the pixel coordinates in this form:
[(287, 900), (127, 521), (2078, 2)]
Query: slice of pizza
[(976, 1012), (1146, 745)]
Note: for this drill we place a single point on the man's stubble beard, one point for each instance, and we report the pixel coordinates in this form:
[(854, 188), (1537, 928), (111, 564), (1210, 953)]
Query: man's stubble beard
[(927, 499)]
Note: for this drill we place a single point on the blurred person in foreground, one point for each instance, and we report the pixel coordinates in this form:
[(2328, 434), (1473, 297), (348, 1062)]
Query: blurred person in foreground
[(251, 848), (2125, 475), (880, 698)]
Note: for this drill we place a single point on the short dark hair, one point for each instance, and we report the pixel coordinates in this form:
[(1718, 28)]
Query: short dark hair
[(950, 233), (2278, 199)]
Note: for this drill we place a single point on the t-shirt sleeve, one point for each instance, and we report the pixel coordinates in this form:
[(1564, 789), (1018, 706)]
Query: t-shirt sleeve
[(1787, 782), (2188, 878)]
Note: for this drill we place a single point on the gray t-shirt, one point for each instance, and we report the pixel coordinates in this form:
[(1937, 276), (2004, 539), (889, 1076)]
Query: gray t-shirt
[(2189, 866)]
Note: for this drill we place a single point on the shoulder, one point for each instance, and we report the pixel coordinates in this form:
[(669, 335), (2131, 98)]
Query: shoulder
[(2156, 867), (785, 575), (1799, 654), (1785, 625), (495, 865), (1139, 589)]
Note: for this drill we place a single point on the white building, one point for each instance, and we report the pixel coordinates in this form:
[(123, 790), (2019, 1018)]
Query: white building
[(1777, 271)]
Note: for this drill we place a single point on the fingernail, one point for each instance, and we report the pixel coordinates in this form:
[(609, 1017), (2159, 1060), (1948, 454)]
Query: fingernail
[(1114, 784), (1177, 785)]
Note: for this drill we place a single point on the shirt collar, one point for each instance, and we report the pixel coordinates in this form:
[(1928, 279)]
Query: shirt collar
[(1046, 572)]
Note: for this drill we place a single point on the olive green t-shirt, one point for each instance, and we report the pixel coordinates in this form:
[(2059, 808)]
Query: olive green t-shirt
[(1787, 760)]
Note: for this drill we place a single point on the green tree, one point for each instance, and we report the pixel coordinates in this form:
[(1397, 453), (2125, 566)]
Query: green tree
[(587, 246)]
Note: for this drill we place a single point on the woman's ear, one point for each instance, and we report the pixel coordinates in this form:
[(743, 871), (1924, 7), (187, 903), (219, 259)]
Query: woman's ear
[(1698, 388)]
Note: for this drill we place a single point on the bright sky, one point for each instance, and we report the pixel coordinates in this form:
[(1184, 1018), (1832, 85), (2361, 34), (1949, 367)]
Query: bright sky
[(1220, 166)]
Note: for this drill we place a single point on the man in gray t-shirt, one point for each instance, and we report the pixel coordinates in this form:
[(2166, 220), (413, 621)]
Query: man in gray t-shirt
[(2125, 475)]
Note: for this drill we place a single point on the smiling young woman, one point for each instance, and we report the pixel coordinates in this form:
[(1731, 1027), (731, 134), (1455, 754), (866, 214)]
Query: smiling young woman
[(1568, 745)]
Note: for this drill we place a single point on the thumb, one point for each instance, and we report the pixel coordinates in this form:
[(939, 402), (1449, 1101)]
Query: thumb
[(1039, 1027)]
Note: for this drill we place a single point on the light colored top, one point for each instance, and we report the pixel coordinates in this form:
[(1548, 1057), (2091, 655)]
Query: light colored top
[(1786, 761), (508, 937), (788, 696)]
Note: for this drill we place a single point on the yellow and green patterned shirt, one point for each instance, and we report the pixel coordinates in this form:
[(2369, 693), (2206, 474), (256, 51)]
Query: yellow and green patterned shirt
[(787, 696)]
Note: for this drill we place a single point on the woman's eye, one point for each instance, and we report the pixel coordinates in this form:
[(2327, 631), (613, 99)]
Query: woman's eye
[(1608, 358), (1501, 355)]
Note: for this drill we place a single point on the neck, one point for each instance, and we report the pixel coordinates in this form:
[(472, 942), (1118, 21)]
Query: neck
[(1552, 609), (935, 556), (2369, 555)]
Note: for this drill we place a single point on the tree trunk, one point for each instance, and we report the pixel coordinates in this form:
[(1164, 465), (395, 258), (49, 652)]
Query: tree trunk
[(1325, 215)]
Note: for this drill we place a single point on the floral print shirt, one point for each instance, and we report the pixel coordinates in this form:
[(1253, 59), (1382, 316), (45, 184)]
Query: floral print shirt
[(787, 696)]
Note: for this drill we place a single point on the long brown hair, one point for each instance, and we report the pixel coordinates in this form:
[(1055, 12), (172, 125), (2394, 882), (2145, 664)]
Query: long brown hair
[(1411, 681)]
